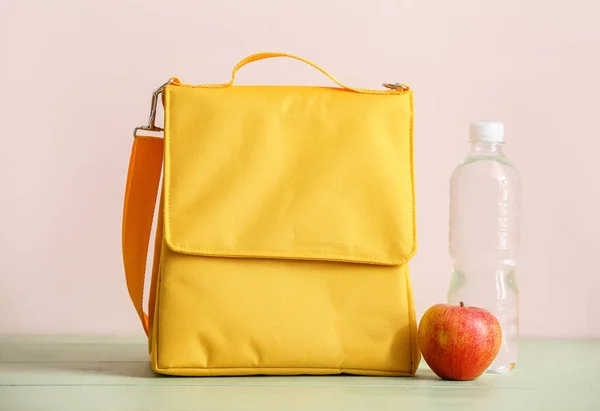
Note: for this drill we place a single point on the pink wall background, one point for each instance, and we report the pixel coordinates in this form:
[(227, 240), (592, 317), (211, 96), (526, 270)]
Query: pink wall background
[(77, 77)]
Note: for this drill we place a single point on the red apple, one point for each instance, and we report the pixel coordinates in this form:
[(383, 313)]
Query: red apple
[(459, 342)]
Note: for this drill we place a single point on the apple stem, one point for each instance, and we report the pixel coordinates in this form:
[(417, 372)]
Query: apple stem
[(462, 304)]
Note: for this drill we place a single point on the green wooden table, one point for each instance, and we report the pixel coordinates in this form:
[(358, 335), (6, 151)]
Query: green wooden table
[(113, 374)]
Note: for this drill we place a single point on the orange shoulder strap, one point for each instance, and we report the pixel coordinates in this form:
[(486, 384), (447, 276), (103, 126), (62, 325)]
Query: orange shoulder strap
[(143, 179)]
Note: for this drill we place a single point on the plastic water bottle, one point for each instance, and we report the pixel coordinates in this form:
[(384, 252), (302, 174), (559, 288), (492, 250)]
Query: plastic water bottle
[(484, 235)]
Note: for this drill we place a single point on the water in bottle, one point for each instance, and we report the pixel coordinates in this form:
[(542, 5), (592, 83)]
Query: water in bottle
[(484, 235)]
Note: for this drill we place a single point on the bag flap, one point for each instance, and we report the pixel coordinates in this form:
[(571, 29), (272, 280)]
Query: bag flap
[(289, 172)]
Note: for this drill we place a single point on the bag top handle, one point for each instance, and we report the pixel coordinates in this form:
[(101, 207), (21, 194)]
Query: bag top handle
[(393, 88)]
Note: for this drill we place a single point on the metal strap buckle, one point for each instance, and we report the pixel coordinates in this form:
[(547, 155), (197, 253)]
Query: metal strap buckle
[(151, 126)]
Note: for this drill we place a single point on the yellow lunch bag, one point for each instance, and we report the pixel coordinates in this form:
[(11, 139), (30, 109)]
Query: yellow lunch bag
[(285, 225)]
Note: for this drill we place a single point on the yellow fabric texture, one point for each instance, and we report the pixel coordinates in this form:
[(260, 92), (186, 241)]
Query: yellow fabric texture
[(286, 225)]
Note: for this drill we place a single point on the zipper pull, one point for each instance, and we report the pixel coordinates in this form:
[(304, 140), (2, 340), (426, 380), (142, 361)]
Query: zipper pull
[(396, 86)]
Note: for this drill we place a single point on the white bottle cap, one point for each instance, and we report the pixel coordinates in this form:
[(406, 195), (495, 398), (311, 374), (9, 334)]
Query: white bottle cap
[(487, 131)]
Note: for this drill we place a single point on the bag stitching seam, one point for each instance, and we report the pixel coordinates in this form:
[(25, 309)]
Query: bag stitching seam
[(282, 368)]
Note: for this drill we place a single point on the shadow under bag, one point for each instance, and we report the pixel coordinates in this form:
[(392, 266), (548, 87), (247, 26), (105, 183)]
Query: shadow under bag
[(285, 228)]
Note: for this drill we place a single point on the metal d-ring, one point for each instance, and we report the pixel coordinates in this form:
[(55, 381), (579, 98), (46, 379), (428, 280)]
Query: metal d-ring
[(151, 126)]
